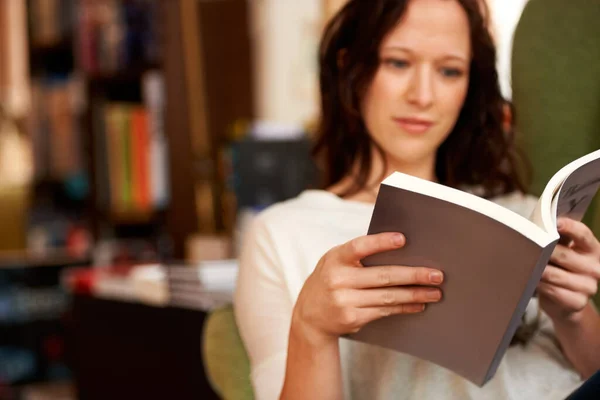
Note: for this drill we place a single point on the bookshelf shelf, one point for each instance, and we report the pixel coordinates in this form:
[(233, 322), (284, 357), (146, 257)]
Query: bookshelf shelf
[(128, 76), (63, 45), (55, 57), (134, 218), (21, 259)]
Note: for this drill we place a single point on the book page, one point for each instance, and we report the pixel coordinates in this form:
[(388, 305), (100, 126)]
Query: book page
[(569, 192), (577, 192)]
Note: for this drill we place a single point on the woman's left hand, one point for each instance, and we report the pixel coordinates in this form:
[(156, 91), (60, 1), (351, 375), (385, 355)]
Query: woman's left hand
[(572, 277)]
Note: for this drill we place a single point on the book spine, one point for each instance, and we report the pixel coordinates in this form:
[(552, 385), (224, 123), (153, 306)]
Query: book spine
[(126, 137), (115, 167), (520, 310)]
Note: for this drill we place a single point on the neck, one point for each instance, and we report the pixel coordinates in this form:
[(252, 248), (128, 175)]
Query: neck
[(425, 169)]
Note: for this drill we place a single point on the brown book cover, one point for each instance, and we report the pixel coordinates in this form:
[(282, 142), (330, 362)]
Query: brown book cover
[(492, 260)]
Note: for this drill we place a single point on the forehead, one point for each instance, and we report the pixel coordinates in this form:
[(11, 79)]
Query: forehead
[(432, 27)]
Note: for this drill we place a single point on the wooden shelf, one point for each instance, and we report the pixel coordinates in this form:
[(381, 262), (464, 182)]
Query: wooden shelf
[(127, 75), (64, 44), (54, 57), (23, 259), (134, 217)]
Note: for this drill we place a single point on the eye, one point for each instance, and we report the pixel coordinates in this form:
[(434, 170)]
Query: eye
[(451, 72), (397, 63)]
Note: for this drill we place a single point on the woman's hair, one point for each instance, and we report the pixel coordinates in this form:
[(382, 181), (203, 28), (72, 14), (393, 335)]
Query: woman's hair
[(479, 152)]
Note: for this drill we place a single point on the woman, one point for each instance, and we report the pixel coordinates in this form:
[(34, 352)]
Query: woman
[(408, 86)]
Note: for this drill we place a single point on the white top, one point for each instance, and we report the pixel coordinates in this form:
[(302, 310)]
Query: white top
[(281, 249)]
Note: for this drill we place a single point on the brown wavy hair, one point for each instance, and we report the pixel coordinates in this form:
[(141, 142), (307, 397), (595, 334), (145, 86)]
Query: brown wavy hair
[(479, 152)]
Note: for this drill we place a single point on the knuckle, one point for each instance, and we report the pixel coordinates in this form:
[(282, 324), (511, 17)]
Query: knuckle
[(328, 278), (333, 280), (562, 256), (355, 329), (594, 288), (550, 289), (582, 301), (416, 296), (338, 298), (384, 276), (354, 246), (388, 298), (385, 311), (348, 318), (421, 275), (596, 271)]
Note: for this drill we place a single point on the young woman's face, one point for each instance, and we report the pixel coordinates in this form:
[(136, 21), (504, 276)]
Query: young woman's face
[(418, 90)]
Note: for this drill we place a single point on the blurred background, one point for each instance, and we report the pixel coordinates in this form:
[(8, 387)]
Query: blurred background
[(137, 140)]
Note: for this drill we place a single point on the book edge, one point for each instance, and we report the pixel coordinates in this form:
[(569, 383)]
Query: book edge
[(521, 307), (473, 202)]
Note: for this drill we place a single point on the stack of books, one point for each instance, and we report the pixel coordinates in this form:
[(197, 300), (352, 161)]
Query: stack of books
[(208, 285)]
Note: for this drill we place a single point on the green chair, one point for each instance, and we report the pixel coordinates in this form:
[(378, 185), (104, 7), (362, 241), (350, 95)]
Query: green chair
[(225, 359), (556, 86)]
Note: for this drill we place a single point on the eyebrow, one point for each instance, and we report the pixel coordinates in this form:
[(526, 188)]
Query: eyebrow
[(445, 57)]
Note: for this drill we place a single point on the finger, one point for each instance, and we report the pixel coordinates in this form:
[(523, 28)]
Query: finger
[(575, 282), (366, 315), (394, 296), (393, 275), (582, 236), (363, 246), (574, 261), (566, 298)]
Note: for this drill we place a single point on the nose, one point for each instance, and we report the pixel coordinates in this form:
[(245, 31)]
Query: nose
[(420, 90)]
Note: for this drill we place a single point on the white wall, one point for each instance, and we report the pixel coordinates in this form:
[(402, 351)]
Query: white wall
[(285, 40), (505, 16), (16, 92)]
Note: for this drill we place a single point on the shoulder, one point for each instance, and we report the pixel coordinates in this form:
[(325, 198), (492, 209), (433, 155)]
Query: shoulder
[(310, 223), (518, 202), (280, 220)]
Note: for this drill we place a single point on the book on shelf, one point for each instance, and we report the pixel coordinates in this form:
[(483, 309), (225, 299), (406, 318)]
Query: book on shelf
[(492, 259), (133, 163)]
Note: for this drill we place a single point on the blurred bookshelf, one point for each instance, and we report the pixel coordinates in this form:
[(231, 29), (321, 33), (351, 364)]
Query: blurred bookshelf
[(127, 129)]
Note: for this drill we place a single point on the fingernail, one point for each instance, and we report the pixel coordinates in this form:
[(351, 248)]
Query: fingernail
[(398, 239), (434, 294), (436, 277)]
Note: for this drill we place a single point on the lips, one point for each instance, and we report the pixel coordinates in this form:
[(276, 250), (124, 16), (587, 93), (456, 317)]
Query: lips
[(414, 125)]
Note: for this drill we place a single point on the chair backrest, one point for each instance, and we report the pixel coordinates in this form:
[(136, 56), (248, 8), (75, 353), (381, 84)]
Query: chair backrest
[(225, 359), (556, 86)]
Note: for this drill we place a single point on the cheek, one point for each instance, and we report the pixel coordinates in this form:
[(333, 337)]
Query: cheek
[(454, 99), (382, 93)]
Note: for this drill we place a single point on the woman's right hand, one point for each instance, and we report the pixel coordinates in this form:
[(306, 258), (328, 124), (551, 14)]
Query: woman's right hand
[(341, 295)]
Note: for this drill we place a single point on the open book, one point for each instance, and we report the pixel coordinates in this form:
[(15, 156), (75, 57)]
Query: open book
[(492, 259)]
